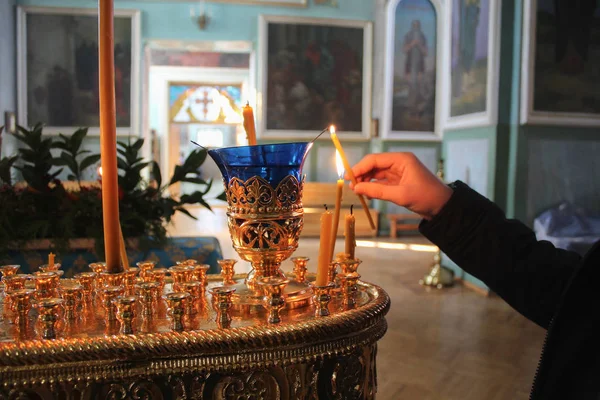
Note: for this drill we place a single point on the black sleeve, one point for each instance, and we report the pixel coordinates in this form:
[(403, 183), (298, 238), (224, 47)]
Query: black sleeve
[(528, 274)]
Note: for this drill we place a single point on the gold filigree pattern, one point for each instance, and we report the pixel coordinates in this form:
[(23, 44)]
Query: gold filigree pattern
[(257, 196)]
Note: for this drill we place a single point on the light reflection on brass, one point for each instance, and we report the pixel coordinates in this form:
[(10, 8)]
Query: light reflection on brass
[(146, 294), (46, 284), (109, 293), (129, 280), (181, 273), (48, 309), (113, 279), (300, 267), (87, 280), (322, 298), (8, 270), (195, 291), (71, 292), (349, 289), (125, 313), (227, 271), (158, 275), (199, 273), (144, 267), (176, 303), (21, 300), (222, 304), (274, 299)]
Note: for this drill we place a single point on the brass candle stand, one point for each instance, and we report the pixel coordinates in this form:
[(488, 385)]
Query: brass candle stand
[(179, 333)]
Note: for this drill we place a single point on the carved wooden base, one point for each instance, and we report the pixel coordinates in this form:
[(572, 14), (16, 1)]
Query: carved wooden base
[(343, 377)]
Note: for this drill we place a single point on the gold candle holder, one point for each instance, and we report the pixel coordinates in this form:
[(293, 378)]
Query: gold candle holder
[(98, 268), (300, 267), (125, 313), (14, 282), (21, 299), (350, 266), (221, 297), (8, 270), (199, 274), (112, 279), (189, 263), (181, 273), (87, 280), (176, 303), (332, 271), (158, 275), (49, 267), (349, 283), (322, 297), (341, 257), (129, 280), (46, 284), (274, 300), (227, 271), (71, 292), (195, 290), (109, 293), (146, 294), (144, 267), (48, 309)]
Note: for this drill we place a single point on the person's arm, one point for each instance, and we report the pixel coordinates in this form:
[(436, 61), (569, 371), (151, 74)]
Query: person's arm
[(528, 274)]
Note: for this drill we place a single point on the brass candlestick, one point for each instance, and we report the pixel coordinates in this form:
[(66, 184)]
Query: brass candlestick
[(322, 297), (98, 267), (48, 309), (71, 293), (300, 267), (129, 280), (274, 299), (144, 267), (113, 279), (176, 302), (146, 293), (195, 290), (8, 270), (222, 302), (21, 298), (87, 280), (49, 268), (109, 293), (349, 283), (350, 266), (332, 271), (227, 271), (181, 273), (46, 284), (125, 313), (159, 276), (200, 272)]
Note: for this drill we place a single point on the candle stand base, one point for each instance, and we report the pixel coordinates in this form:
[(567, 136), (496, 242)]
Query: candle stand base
[(246, 299), (438, 276)]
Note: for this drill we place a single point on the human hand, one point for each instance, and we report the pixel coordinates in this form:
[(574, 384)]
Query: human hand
[(402, 179)]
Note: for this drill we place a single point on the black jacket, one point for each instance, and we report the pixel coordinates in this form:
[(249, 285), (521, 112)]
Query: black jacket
[(556, 289)]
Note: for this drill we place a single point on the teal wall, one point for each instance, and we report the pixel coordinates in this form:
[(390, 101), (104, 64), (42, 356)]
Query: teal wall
[(162, 20), (8, 85)]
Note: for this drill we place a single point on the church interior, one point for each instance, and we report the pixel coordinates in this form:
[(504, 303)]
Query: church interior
[(500, 95)]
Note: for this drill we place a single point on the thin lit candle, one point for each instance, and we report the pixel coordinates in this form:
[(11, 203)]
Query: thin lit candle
[(324, 249), (108, 136), (338, 146), (338, 201), (249, 125)]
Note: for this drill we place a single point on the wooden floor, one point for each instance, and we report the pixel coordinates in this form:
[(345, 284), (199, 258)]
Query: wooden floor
[(441, 345), (453, 344)]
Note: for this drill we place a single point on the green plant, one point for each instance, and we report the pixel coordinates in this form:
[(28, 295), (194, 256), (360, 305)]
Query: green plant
[(71, 154), (44, 209)]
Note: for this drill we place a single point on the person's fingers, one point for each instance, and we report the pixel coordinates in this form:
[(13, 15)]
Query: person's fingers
[(371, 162), (376, 190)]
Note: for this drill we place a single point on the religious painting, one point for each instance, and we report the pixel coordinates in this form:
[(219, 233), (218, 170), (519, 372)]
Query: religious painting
[(562, 45), (470, 49), (205, 103), (314, 73), (411, 74), (58, 68)]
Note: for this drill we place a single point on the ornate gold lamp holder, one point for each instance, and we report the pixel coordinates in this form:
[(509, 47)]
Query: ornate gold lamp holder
[(266, 335)]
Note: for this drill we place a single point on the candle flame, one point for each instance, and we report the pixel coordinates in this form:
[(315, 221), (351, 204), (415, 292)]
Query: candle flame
[(100, 171), (339, 164), (332, 129)]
